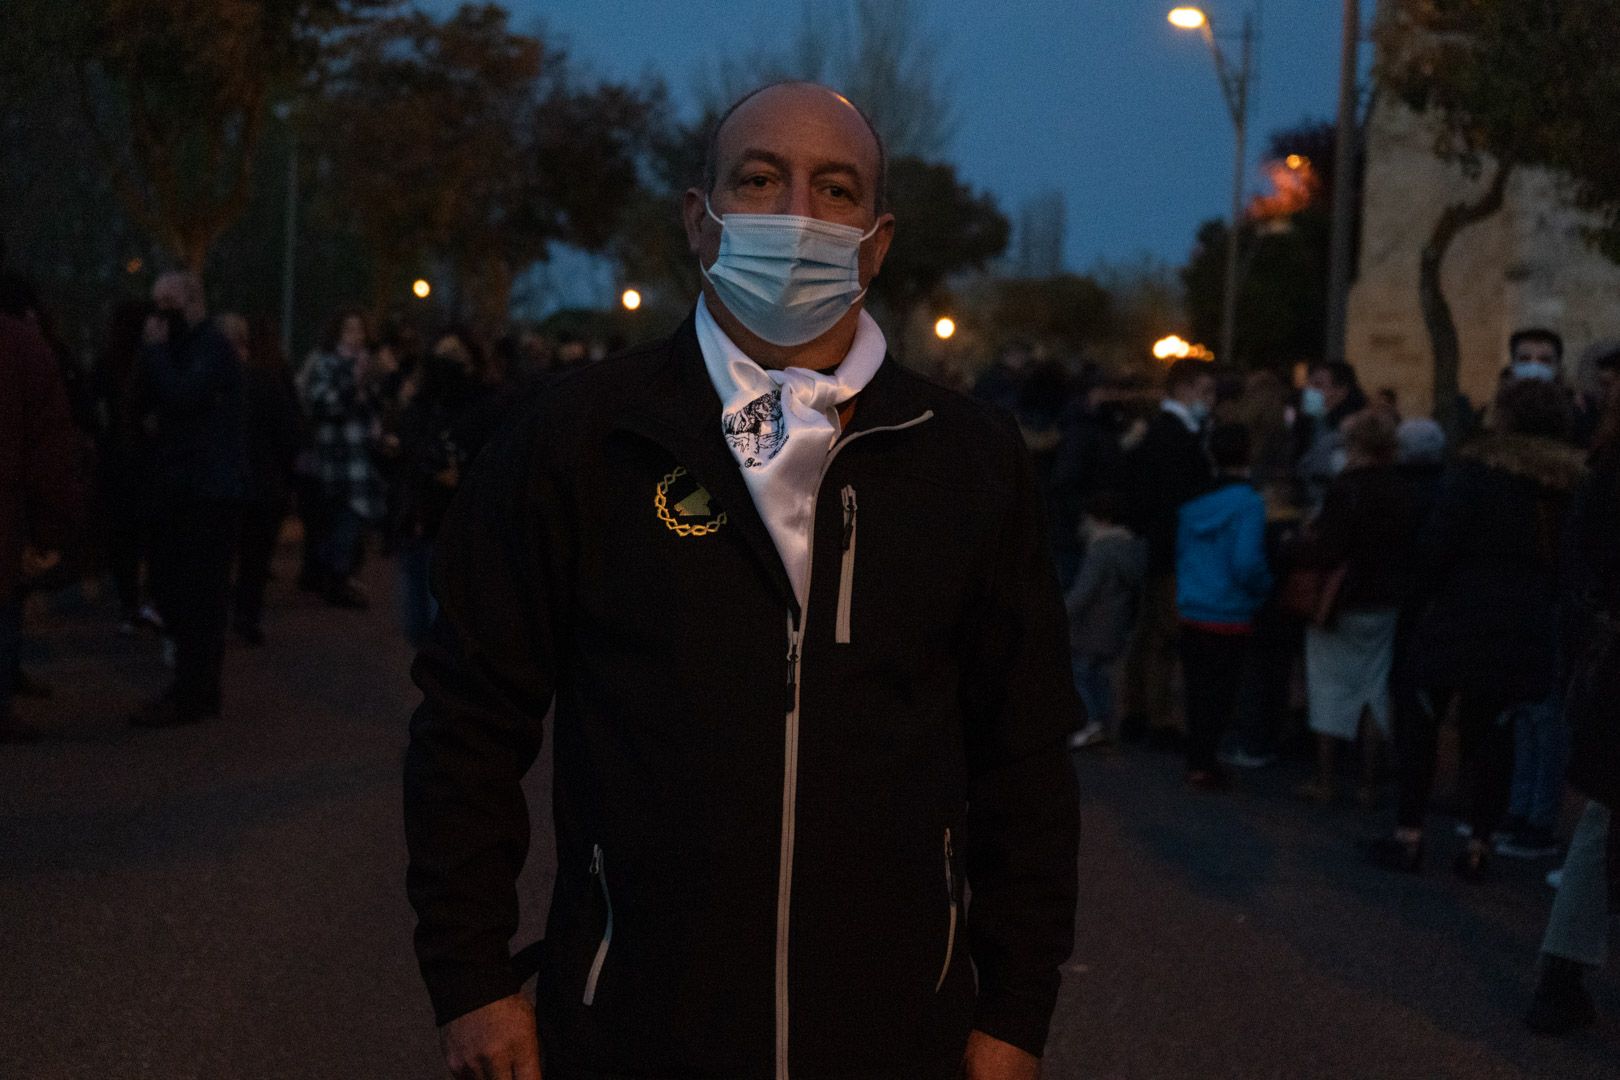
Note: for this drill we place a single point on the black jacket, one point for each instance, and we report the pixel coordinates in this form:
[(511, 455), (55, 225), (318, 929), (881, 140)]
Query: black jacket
[(1369, 524), (764, 847), (1490, 558), (191, 391), (1165, 470), (1593, 581)]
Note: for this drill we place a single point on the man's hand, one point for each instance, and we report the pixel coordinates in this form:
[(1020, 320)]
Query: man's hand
[(989, 1058), (495, 1042)]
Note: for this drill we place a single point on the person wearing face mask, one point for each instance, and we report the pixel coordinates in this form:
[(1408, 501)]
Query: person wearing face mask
[(1536, 354), (1163, 472), (1331, 395), (191, 397), (449, 418), (809, 663)]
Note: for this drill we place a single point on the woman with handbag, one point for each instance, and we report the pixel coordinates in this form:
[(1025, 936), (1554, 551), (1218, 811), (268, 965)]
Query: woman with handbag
[(1487, 639), (1578, 930), (1358, 553)]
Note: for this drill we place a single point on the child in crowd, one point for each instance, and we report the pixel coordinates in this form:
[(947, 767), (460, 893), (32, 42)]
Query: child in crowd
[(1102, 607), (1221, 582)]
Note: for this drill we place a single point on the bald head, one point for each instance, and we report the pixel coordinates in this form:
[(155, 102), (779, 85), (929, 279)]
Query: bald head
[(797, 104)]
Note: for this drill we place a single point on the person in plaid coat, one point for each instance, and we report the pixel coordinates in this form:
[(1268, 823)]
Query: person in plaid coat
[(340, 396)]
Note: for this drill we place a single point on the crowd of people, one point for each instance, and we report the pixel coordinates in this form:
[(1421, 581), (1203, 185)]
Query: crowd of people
[(1254, 569), (174, 462), (1251, 568)]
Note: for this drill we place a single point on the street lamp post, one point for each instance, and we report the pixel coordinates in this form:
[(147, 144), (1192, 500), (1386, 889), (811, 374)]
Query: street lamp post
[(1235, 84), (284, 113), (1347, 149)]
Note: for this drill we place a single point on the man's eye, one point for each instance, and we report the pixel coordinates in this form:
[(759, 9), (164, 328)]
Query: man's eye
[(757, 181), (837, 191)]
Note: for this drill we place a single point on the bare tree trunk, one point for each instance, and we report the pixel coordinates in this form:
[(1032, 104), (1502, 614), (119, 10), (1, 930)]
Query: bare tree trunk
[(1437, 316)]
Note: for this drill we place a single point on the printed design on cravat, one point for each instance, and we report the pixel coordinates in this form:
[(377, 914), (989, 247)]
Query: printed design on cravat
[(756, 431), (692, 502)]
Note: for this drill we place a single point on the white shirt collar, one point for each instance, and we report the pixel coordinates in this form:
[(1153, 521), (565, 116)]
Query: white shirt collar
[(1180, 412)]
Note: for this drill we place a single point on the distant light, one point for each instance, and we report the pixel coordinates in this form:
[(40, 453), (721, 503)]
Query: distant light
[(421, 288), (945, 327), (133, 266), (1172, 348), (631, 299), (1296, 162), (1188, 18)]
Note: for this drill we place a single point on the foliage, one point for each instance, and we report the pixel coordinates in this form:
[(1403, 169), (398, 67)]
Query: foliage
[(1283, 268), (942, 227), (1067, 313)]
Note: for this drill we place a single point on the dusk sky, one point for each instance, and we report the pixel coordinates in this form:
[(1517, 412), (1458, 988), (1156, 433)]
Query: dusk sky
[(1100, 99)]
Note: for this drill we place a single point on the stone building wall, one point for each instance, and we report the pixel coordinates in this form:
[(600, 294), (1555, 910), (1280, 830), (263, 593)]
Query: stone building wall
[(1527, 265)]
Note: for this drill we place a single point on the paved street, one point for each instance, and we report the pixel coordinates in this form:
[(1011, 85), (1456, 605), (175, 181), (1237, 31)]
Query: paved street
[(227, 902)]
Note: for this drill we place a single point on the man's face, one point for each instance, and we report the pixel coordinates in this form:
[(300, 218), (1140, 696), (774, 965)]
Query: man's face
[(1332, 393), (352, 339), (169, 294), (1203, 392), (794, 149)]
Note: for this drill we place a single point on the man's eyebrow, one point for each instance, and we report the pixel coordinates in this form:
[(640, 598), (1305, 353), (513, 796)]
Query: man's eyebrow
[(752, 154)]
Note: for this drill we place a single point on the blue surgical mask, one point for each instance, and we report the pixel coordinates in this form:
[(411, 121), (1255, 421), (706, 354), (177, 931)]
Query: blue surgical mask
[(1532, 371), (1312, 402), (786, 278)]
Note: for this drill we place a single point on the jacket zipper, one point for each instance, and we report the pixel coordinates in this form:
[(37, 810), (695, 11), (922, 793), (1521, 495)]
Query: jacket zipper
[(846, 577), (600, 875), (796, 623), (950, 895)]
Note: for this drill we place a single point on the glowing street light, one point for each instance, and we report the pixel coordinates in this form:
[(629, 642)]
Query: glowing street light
[(1173, 347), (1188, 18), (631, 299), (421, 288), (945, 327)]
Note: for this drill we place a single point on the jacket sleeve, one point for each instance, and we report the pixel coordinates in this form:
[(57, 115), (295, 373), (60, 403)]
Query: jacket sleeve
[(181, 389), (1023, 804), (487, 678), (1249, 564)]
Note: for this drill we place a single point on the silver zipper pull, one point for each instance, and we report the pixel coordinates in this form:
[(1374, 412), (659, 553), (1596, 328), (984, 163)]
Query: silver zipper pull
[(792, 671), (950, 872), (849, 516), (596, 861)]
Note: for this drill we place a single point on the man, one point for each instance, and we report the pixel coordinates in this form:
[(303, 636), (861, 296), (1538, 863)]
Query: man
[(1165, 470), (1332, 395), (1535, 353), (41, 495), (808, 661), (190, 389)]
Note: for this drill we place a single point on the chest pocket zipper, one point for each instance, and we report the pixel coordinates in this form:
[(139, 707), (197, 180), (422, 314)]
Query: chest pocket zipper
[(600, 875), (846, 577), (950, 893)]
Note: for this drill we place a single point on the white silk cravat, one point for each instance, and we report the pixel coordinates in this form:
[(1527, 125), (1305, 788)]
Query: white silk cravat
[(781, 425)]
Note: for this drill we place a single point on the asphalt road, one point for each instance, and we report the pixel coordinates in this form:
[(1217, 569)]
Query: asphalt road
[(226, 901)]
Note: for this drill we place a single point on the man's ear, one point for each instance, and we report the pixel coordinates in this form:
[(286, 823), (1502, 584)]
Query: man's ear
[(875, 250), (693, 215)]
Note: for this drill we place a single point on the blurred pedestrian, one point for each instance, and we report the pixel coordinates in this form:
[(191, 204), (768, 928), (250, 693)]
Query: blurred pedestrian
[(1535, 354), (124, 464), (1102, 606), (274, 436), (191, 396), (1162, 472), (41, 494), (1332, 395), (1578, 930), (1222, 579), (342, 400), (1362, 545), (451, 415), (1489, 558)]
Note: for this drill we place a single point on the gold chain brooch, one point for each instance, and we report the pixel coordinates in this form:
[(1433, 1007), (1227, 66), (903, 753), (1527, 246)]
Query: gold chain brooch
[(661, 504)]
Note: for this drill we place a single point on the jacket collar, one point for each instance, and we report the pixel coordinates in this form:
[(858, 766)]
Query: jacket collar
[(678, 408)]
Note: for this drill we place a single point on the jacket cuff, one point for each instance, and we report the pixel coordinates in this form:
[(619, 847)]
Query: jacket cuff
[(1019, 1023), (460, 993)]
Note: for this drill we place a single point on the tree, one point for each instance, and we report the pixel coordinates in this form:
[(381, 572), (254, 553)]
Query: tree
[(1065, 312), (1282, 293), (176, 94), (462, 144), (1509, 84), (877, 52), (943, 227)]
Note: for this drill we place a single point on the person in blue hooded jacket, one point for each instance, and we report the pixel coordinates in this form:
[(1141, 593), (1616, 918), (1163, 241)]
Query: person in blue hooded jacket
[(1222, 579)]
